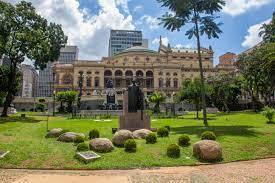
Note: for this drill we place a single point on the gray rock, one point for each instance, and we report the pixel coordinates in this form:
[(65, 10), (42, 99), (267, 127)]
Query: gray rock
[(56, 132), (141, 134), (101, 145), (207, 150), (121, 136), (69, 136)]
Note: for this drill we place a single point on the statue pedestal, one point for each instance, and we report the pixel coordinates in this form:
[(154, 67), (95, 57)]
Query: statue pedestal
[(134, 120)]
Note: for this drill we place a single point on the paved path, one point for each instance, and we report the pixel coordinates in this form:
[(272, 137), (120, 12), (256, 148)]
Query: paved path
[(247, 172)]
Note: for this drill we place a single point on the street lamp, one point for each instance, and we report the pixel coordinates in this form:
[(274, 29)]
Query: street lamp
[(53, 94)]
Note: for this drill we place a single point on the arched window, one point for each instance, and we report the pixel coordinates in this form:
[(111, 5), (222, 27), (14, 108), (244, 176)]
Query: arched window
[(167, 74), (139, 73), (108, 73), (175, 74), (176, 85), (118, 73), (149, 74), (129, 73), (88, 82), (96, 83)]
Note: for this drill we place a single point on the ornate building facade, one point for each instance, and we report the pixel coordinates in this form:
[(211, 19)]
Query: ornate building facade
[(162, 70)]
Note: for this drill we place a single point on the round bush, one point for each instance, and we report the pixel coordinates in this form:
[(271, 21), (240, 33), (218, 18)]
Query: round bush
[(82, 147), (78, 139), (94, 133), (151, 138), (130, 145), (163, 132), (208, 135), (173, 151), (184, 140)]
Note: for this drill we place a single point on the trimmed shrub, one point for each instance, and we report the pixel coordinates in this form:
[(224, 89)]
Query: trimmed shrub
[(163, 132), (82, 147), (268, 113), (208, 135), (78, 139), (130, 145), (173, 151), (151, 138), (168, 128), (94, 133), (184, 140)]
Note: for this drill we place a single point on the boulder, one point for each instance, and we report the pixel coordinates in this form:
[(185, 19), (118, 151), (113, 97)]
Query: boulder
[(56, 132), (207, 150), (141, 134), (121, 136), (101, 145), (69, 136)]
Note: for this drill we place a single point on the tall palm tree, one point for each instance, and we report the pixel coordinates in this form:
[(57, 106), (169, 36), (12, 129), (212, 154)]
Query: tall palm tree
[(199, 13)]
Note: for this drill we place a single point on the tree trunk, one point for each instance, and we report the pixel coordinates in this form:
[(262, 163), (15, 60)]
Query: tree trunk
[(197, 111), (201, 74), (9, 97), (226, 107)]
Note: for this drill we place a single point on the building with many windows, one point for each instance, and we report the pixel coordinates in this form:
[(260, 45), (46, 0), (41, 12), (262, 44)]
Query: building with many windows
[(122, 39), (68, 55), (162, 70), (30, 79)]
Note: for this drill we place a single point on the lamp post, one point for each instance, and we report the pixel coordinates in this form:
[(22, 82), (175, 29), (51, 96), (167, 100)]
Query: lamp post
[(53, 94), (80, 85)]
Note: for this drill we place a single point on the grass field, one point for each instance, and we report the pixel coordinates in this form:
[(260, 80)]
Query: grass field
[(243, 136)]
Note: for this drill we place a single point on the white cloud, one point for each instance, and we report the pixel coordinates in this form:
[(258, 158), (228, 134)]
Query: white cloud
[(237, 7), (138, 8), (152, 22), (165, 41), (252, 38), (89, 33), (184, 46)]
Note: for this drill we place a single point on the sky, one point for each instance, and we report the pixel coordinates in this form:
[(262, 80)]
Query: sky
[(87, 23)]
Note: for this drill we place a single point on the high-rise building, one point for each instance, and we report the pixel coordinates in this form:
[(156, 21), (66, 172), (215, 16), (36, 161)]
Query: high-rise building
[(29, 81), (123, 39), (68, 55)]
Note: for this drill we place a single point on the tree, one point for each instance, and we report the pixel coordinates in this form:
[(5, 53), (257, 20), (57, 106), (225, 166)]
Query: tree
[(268, 31), (4, 82), (226, 88), (24, 33), (257, 69), (67, 97), (199, 13), (190, 91), (157, 98)]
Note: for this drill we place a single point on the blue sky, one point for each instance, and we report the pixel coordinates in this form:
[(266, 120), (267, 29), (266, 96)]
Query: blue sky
[(88, 22)]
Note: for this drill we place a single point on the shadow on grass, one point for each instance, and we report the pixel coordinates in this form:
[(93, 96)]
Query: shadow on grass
[(239, 130), (18, 119)]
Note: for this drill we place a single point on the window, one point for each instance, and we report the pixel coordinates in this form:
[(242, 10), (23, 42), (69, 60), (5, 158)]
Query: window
[(175, 83), (160, 82), (97, 72), (88, 82), (168, 83), (96, 82)]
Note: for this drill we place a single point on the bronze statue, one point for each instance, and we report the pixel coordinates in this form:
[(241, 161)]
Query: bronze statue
[(135, 98)]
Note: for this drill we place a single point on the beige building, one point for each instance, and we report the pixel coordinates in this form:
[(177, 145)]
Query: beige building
[(29, 81), (161, 70)]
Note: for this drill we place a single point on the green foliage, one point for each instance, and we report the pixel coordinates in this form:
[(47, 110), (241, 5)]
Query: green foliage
[(82, 147), (268, 31), (163, 132), (94, 133), (157, 98), (40, 107), (173, 151), (225, 90), (208, 135), (78, 139), (269, 113), (151, 138), (190, 91), (24, 33), (130, 145), (184, 140), (4, 82), (66, 97), (42, 100)]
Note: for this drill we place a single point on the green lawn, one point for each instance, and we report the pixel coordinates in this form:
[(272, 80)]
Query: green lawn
[(243, 136)]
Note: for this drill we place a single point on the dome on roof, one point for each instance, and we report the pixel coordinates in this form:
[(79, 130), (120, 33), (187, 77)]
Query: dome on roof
[(136, 49)]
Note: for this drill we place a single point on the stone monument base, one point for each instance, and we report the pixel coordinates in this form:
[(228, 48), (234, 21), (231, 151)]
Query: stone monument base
[(133, 121)]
